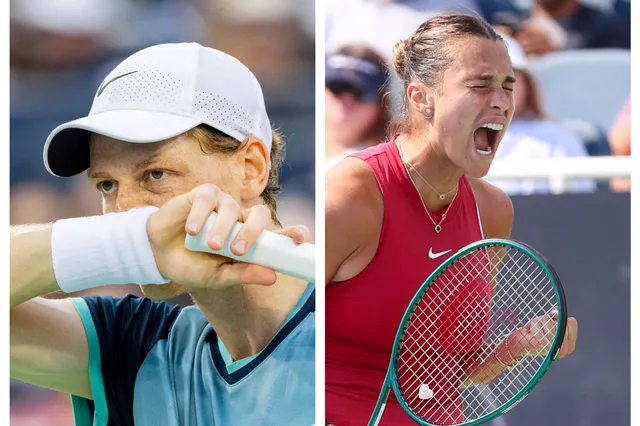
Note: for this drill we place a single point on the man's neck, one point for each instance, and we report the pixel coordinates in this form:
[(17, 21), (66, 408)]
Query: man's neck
[(564, 9), (247, 317)]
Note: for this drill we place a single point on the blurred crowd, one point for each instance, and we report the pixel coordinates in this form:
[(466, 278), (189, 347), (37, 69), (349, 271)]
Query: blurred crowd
[(61, 51), (571, 59)]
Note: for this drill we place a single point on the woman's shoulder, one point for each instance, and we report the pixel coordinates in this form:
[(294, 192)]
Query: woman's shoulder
[(350, 180)]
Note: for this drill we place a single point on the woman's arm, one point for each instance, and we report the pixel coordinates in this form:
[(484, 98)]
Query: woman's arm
[(353, 214)]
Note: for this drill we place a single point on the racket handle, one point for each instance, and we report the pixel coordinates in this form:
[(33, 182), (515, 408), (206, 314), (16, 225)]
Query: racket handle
[(275, 251)]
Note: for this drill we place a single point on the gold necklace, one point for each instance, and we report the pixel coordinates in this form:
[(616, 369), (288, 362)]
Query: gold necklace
[(442, 196), (437, 226)]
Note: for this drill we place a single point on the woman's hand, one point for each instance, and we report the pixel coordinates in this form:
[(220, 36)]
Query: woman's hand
[(537, 336)]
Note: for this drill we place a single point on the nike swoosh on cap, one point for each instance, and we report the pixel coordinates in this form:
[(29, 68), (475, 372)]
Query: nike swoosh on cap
[(106, 83)]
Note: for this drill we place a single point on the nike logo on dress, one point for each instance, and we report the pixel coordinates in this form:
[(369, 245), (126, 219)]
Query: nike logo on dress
[(433, 255), (106, 83)]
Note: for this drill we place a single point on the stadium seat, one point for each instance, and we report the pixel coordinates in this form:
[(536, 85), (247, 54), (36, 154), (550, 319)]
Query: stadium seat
[(590, 85), (594, 138)]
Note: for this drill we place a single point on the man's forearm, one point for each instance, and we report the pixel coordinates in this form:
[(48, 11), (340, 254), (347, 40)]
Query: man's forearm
[(82, 253), (31, 263)]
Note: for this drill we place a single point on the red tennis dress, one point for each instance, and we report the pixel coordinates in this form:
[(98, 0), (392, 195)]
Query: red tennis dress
[(364, 312)]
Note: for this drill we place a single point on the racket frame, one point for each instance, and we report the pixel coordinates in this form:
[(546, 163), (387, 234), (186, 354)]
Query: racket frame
[(391, 380)]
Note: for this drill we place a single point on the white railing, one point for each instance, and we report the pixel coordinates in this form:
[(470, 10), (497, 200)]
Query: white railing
[(558, 170)]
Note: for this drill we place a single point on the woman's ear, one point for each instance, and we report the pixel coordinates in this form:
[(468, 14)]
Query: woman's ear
[(254, 160), (420, 100)]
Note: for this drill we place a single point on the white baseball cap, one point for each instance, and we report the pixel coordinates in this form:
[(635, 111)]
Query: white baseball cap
[(161, 92)]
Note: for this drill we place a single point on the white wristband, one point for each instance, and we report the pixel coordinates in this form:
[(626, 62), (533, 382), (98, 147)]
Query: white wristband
[(111, 249)]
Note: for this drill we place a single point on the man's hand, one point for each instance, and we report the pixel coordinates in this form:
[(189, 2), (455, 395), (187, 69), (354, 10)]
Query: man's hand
[(167, 229)]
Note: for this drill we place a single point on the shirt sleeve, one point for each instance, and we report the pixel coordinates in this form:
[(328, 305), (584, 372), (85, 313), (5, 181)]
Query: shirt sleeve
[(120, 334)]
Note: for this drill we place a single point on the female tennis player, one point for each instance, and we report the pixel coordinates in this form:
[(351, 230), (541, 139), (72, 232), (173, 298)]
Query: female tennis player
[(176, 132), (395, 211)]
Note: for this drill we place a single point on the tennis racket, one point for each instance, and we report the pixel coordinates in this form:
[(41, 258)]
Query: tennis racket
[(275, 251), (477, 337)]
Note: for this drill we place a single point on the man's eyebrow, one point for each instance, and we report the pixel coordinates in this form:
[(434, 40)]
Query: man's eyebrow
[(147, 162), (140, 165)]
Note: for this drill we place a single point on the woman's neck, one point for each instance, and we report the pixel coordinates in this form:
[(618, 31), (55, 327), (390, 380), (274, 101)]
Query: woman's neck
[(247, 317), (425, 162)]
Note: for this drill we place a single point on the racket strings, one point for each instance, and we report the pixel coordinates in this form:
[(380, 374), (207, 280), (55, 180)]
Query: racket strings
[(468, 312)]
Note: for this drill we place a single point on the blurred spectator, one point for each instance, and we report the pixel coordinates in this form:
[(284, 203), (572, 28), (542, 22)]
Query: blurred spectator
[(382, 23), (356, 110), (565, 25), (272, 38), (498, 12), (532, 136), (620, 143)]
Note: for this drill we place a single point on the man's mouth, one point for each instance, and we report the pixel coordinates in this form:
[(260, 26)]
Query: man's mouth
[(485, 138)]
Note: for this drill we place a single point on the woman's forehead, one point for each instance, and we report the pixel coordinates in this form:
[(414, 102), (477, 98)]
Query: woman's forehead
[(482, 56)]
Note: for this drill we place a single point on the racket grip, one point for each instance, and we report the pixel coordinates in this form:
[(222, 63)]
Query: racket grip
[(275, 251)]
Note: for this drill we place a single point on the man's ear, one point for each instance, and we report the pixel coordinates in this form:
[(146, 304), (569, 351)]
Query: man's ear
[(254, 160)]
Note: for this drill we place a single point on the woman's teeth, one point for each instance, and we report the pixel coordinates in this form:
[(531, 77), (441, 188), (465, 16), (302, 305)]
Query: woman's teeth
[(488, 152), (494, 126)]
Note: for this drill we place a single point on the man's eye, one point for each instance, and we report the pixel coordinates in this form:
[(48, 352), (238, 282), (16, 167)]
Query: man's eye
[(157, 174), (107, 186)]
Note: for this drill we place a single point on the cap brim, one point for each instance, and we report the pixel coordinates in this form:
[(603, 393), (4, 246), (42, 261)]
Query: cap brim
[(66, 151)]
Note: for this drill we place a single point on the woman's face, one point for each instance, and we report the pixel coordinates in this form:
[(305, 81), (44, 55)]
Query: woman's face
[(521, 92), (475, 93), (348, 118)]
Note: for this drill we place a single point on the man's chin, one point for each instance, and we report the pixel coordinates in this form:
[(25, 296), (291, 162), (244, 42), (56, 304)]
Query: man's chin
[(163, 291)]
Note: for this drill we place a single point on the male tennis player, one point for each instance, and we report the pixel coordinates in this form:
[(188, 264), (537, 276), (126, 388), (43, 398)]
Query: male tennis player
[(176, 131), (394, 212)]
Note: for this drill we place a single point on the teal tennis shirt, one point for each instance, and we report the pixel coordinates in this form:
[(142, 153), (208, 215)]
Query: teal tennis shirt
[(153, 364)]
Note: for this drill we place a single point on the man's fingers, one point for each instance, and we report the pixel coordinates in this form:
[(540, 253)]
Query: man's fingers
[(299, 233), (256, 220), (204, 199), (228, 215)]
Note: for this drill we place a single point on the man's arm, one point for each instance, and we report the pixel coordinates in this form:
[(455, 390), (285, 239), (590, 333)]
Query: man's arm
[(48, 342)]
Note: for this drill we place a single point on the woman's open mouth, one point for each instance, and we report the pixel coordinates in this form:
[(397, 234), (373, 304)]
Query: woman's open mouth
[(485, 138)]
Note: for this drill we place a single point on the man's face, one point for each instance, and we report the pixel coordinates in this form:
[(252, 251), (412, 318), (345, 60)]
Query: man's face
[(130, 175)]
